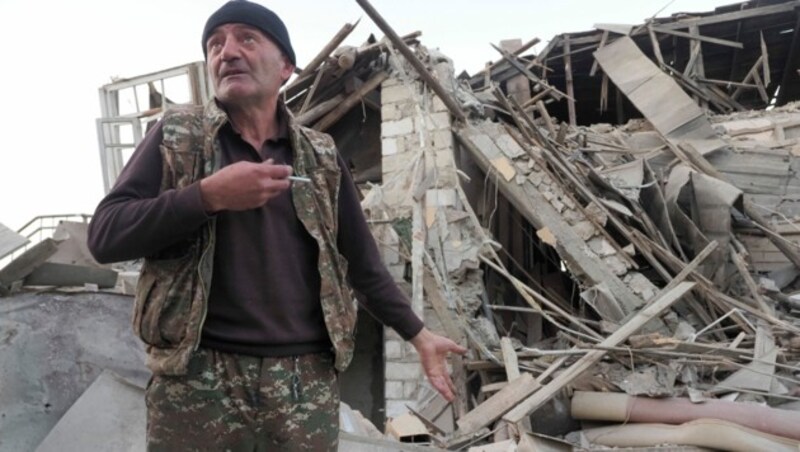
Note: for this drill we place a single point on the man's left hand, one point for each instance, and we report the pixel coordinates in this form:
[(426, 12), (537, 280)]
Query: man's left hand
[(433, 350)]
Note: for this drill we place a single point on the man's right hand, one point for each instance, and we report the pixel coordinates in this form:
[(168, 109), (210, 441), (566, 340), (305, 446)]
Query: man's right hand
[(244, 185)]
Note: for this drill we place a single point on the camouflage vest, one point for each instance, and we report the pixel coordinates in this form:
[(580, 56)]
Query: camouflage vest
[(172, 294)]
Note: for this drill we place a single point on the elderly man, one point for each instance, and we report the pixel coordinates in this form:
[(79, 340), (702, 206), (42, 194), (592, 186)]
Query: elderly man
[(244, 298)]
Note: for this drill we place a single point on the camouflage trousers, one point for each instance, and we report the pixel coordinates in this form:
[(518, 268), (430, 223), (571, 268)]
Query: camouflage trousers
[(229, 402)]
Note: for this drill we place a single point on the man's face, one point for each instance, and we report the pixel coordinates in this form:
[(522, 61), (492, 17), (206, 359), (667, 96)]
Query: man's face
[(245, 66)]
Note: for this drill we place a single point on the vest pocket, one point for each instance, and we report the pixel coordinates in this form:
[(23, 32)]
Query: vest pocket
[(163, 301)]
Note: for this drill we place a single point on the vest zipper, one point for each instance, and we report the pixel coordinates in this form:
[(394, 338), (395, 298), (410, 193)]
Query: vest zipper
[(212, 239), (211, 243)]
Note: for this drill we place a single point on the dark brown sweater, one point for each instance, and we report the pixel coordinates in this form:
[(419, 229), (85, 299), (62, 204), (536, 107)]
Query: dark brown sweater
[(264, 298)]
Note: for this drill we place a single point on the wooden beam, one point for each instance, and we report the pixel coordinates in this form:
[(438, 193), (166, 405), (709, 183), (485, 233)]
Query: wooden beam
[(698, 37), (603, 41), (790, 82), (401, 46), (733, 16), (765, 54), (664, 300), (491, 66), (337, 39), (656, 46), (509, 359), (558, 95), (319, 110), (496, 405), (570, 88), (349, 102), (752, 286), (735, 57), (311, 92)]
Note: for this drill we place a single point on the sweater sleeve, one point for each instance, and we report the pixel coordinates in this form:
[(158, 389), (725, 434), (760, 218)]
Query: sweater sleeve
[(367, 273), (135, 219)]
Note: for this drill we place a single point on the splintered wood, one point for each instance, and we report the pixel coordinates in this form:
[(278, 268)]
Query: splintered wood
[(646, 248)]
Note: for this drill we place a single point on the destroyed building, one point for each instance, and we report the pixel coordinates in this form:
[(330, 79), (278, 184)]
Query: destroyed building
[(610, 225)]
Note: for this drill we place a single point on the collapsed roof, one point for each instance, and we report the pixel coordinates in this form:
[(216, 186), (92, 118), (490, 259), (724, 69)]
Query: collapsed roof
[(617, 212)]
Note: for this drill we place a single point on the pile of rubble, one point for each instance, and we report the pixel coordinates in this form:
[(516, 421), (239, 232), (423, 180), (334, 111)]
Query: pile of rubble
[(627, 285), (640, 274)]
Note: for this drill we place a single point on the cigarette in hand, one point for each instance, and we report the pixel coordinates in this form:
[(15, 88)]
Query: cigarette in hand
[(299, 179)]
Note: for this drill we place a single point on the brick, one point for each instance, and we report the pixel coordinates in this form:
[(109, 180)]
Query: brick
[(395, 93), (394, 390), (393, 350), (446, 178), (442, 139), (403, 371), (408, 109), (390, 112), (445, 159), (389, 146), (395, 128), (438, 121), (394, 163)]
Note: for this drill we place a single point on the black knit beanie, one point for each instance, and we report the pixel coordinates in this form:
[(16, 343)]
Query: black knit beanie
[(255, 15)]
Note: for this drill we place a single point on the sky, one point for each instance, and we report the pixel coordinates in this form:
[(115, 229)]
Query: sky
[(57, 54)]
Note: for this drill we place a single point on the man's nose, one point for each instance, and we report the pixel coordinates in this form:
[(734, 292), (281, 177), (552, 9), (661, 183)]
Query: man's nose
[(230, 49)]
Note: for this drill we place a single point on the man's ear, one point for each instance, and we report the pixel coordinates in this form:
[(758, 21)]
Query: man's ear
[(288, 68)]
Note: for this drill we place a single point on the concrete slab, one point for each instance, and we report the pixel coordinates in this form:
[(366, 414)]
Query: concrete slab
[(110, 415), (10, 241), (52, 348)]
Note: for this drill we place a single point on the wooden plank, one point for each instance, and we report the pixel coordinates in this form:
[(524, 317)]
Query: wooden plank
[(350, 102), (765, 55), (790, 75), (337, 39), (319, 110), (497, 405), (311, 92), (603, 41), (700, 38), (509, 359), (570, 88), (752, 286), (558, 95), (750, 76), (534, 402), (355, 443), (656, 46), (731, 17), (760, 86)]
